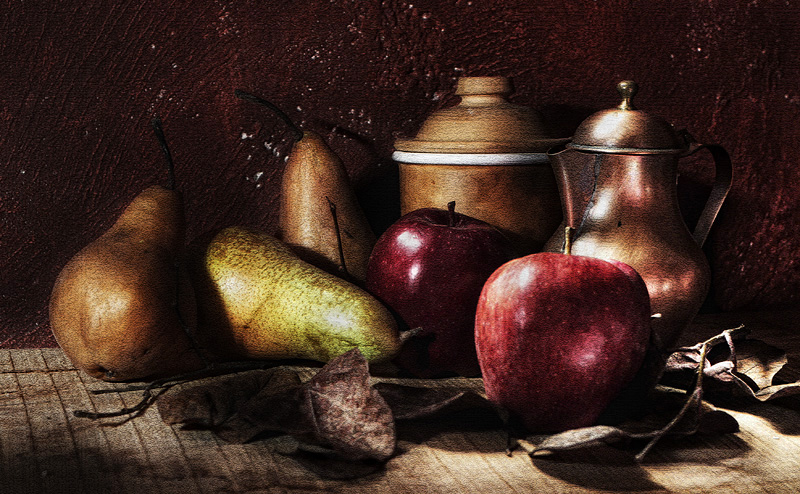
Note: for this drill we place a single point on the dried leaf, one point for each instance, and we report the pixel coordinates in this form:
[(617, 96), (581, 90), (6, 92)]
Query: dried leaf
[(337, 408), (412, 402), (685, 358), (213, 401), (747, 368), (582, 438), (349, 414), (721, 371), (759, 361)]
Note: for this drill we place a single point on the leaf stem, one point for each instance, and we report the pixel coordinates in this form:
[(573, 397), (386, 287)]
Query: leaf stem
[(149, 397), (696, 397)]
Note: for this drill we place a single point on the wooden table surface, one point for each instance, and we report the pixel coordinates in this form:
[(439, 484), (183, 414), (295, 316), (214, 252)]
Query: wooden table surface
[(46, 449)]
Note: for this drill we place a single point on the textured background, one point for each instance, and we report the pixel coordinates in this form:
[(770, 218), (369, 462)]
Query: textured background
[(81, 79)]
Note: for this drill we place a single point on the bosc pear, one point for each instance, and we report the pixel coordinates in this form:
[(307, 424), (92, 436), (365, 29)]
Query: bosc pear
[(320, 216), (316, 201), (122, 308), (259, 300)]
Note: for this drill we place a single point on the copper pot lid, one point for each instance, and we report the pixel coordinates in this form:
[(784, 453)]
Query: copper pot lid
[(627, 130), (484, 121)]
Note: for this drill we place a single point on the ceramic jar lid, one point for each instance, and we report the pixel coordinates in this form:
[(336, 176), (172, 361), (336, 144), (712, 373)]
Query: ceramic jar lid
[(627, 130), (484, 122)]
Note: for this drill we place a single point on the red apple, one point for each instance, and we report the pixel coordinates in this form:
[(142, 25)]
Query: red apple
[(559, 336), (429, 268)]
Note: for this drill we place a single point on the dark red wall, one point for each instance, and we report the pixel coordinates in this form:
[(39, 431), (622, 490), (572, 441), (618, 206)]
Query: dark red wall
[(80, 81)]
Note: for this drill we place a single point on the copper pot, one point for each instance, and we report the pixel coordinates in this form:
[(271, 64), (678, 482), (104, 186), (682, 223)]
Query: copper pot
[(617, 179)]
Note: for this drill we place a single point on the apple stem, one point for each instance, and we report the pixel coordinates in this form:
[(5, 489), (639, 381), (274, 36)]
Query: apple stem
[(342, 264), (280, 113), (162, 141), (569, 232), (451, 208)]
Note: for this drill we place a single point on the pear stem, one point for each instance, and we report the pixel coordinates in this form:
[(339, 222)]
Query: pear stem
[(159, 132), (162, 141), (283, 116), (569, 232), (338, 231)]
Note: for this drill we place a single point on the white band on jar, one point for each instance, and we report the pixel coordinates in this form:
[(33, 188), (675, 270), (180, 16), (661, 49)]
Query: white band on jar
[(469, 158)]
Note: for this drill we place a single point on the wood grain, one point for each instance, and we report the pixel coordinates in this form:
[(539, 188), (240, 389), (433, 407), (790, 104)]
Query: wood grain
[(45, 448)]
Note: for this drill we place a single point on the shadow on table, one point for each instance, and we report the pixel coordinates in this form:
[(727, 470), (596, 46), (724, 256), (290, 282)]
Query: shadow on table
[(782, 413), (482, 425), (600, 467), (84, 471), (605, 467)]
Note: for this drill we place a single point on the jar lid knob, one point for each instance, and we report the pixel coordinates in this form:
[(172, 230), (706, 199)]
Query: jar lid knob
[(484, 85), (627, 90)]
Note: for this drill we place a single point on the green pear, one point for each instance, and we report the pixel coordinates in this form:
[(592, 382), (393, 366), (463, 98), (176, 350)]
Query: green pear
[(122, 308), (259, 300)]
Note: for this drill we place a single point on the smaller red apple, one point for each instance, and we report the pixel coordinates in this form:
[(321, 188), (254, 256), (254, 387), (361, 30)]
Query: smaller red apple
[(559, 336), (429, 267)]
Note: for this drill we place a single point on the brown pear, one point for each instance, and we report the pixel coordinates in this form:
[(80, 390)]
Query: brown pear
[(319, 207), (320, 217), (122, 308)]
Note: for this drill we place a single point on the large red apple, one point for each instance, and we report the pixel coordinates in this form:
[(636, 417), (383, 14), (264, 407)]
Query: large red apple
[(429, 268), (559, 336)]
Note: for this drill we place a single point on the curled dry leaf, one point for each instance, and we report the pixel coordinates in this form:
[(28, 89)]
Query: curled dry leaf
[(671, 414), (337, 408), (348, 413), (744, 367), (581, 438)]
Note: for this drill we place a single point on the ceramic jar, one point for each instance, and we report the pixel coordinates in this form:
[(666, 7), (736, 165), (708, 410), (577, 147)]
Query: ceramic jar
[(489, 156)]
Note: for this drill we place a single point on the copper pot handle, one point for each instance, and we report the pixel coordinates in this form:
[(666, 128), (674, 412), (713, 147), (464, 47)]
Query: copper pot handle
[(719, 191)]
